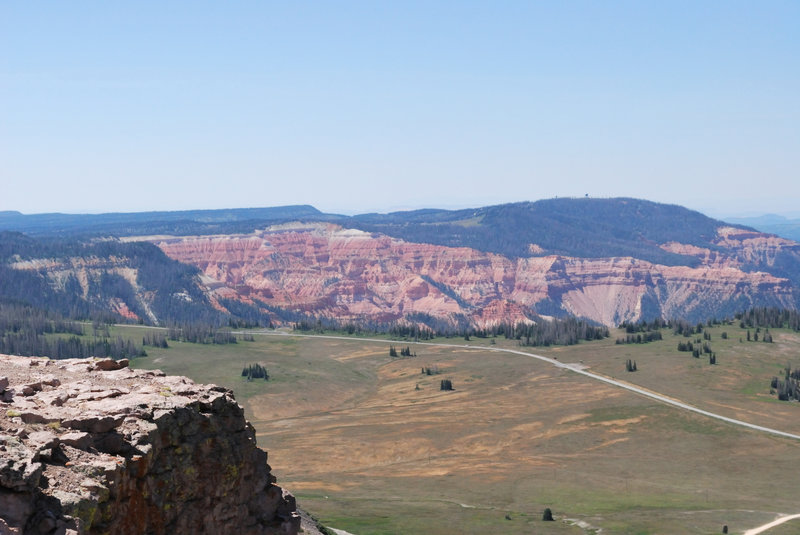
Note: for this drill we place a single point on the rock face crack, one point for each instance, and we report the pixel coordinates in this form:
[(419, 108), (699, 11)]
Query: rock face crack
[(94, 447)]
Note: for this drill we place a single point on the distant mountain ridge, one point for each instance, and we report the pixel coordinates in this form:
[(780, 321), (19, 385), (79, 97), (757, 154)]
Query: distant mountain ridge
[(609, 260), (136, 223)]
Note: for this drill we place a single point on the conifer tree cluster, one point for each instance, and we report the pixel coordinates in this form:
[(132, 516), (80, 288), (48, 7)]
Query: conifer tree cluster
[(155, 340), (255, 371), (446, 384), (566, 331), (200, 334), (640, 338), (630, 365), (698, 347), (788, 388), (766, 336), (404, 352)]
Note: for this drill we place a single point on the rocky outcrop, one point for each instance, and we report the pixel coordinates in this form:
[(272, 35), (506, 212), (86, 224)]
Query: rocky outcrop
[(349, 274), (92, 446)]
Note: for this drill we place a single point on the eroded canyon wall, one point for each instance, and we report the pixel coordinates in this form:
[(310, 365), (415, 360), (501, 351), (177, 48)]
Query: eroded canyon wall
[(350, 274)]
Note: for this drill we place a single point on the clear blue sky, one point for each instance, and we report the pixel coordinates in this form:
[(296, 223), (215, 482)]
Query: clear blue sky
[(374, 106)]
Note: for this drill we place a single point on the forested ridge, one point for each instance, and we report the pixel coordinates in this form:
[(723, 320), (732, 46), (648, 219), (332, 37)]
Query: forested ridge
[(171, 288), (571, 227)]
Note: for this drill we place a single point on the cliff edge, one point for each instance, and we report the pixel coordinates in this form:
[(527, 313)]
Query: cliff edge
[(92, 446)]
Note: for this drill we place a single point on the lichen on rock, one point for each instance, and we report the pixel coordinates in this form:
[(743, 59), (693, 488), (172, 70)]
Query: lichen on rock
[(91, 446)]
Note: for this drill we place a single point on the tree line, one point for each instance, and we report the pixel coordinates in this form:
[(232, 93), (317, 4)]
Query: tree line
[(200, 334), (32, 332), (775, 318), (29, 344), (544, 332), (640, 338), (16, 317)]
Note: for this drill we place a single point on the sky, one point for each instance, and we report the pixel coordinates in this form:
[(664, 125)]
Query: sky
[(377, 106)]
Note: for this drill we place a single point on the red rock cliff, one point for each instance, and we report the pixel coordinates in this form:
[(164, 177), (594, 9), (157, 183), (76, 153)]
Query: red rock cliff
[(347, 273)]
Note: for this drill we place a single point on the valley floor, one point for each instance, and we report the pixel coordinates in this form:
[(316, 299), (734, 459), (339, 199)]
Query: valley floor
[(372, 446)]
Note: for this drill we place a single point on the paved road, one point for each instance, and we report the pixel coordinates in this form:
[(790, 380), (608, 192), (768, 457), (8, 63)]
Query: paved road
[(576, 368)]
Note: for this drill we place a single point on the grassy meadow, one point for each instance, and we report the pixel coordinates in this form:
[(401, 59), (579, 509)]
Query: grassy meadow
[(371, 445)]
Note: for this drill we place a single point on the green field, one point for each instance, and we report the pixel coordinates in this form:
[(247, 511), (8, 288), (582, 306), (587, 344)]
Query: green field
[(370, 445)]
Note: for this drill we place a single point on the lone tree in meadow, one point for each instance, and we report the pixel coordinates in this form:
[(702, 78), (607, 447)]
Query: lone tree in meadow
[(547, 516)]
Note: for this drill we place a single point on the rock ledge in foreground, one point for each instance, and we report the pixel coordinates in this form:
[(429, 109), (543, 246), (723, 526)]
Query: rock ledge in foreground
[(92, 446)]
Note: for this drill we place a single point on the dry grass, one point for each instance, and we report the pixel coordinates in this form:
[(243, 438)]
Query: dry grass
[(365, 450)]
